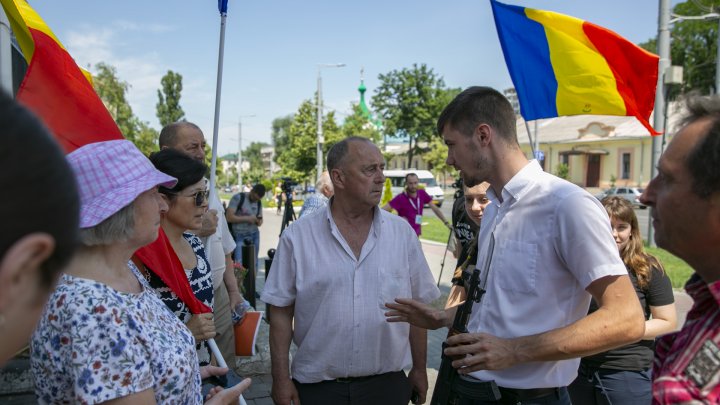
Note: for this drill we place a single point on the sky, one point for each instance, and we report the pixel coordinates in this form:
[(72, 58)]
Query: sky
[(273, 49)]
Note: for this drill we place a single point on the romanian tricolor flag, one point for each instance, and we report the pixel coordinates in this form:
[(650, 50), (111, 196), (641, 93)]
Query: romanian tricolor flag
[(561, 65), (54, 87)]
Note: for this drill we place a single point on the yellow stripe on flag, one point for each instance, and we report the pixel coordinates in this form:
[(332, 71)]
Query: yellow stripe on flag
[(586, 85)]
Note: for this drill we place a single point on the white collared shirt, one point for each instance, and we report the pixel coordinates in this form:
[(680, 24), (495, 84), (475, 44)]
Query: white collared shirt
[(218, 244), (552, 239), (340, 328)]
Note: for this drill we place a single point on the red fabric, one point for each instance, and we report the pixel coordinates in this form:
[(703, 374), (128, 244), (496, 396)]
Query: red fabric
[(56, 90), (635, 71), (160, 258)]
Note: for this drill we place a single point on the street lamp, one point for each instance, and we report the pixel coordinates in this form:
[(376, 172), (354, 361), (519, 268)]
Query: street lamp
[(239, 161), (663, 46), (320, 139)]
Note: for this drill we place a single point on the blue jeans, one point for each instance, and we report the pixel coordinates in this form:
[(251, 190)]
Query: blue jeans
[(239, 241), (616, 387)]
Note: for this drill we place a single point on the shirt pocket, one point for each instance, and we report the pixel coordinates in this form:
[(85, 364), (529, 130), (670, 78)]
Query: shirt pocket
[(394, 283), (515, 265)]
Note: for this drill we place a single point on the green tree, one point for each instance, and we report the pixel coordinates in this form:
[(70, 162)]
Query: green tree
[(693, 46), (409, 102), (252, 154), (112, 92), (298, 158), (279, 134), (168, 105), (357, 124)]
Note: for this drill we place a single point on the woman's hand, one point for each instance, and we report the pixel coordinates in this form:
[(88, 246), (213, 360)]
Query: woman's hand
[(218, 395), (202, 326)]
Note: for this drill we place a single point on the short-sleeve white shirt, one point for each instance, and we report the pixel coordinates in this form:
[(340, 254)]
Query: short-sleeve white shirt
[(340, 328), (552, 240), (218, 244)]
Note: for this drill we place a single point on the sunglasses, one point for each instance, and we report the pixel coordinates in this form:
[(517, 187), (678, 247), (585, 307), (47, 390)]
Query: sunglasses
[(200, 197)]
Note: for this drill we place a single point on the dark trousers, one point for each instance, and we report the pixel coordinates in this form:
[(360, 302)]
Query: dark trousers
[(382, 389), (559, 397), (611, 387)]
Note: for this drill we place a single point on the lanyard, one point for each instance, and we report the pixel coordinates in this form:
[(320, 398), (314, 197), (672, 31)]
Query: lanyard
[(413, 204)]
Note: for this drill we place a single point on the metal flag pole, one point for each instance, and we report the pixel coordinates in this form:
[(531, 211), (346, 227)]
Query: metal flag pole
[(222, 6)]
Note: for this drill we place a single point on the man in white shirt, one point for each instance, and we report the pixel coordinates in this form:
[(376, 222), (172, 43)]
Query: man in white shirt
[(187, 137), (553, 250), (332, 275)]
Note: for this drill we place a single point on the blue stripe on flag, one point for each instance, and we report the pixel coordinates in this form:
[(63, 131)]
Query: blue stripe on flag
[(222, 6), (527, 55)]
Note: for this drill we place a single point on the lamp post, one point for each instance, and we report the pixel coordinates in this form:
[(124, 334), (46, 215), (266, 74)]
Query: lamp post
[(663, 46), (320, 139), (239, 161)]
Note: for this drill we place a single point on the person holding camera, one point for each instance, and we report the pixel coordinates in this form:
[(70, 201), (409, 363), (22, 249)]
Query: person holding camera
[(244, 212)]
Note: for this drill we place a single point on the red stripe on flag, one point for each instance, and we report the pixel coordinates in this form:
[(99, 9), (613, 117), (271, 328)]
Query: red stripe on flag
[(57, 91), (635, 71)]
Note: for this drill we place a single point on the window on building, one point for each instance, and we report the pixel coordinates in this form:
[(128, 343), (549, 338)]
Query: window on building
[(404, 161), (565, 159), (625, 166)]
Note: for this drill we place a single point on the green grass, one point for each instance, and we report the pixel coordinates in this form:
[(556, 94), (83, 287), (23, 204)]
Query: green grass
[(678, 271), (435, 230)]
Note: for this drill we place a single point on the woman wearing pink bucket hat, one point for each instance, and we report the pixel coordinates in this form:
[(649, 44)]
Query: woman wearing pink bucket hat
[(105, 335)]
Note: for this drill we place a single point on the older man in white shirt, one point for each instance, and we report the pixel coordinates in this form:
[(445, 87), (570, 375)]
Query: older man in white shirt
[(219, 244), (333, 273)]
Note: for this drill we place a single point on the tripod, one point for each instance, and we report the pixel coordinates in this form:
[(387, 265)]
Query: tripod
[(289, 214)]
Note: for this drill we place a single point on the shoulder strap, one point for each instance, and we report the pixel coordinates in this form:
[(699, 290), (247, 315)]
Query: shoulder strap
[(240, 204)]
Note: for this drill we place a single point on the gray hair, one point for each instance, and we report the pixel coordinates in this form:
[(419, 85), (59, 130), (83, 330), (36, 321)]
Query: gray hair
[(169, 133), (338, 152), (704, 159), (323, 182), (119, 227)]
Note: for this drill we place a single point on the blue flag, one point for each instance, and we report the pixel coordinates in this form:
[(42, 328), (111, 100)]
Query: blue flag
[(222, 6)]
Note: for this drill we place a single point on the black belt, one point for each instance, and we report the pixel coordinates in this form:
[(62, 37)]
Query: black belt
[(517, 394), (347, 380)]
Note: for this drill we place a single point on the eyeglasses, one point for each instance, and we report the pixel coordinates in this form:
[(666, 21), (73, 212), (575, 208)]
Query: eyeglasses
[(200, 197)]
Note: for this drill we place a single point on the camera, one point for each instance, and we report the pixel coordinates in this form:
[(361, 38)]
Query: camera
[(458, 185), (288, 184)]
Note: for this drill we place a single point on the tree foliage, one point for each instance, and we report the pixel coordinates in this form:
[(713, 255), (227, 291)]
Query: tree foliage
[(693, 46), (298, 158), (409, 102), (252, 154), (168, 106), (112, 92), (280, 133), (357, 124)]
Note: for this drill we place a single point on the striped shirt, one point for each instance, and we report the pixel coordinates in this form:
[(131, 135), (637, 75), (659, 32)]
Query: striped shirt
[(687, 363)]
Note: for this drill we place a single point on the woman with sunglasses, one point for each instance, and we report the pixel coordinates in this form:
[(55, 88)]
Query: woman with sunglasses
[(187, 202)]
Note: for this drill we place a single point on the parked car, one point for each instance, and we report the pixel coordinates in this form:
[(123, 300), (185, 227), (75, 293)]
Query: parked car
[(631, 194)]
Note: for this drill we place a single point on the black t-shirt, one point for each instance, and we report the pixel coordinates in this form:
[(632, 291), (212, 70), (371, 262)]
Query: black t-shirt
[(463, 227), (639, 355)]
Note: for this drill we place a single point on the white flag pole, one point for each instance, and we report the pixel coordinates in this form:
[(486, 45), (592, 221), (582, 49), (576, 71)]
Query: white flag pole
[(218, 91)]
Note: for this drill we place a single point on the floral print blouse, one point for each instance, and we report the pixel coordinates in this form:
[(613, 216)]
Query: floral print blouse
[(94, 344)]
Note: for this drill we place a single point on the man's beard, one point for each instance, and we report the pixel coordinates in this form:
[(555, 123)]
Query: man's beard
[(480, 173)]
